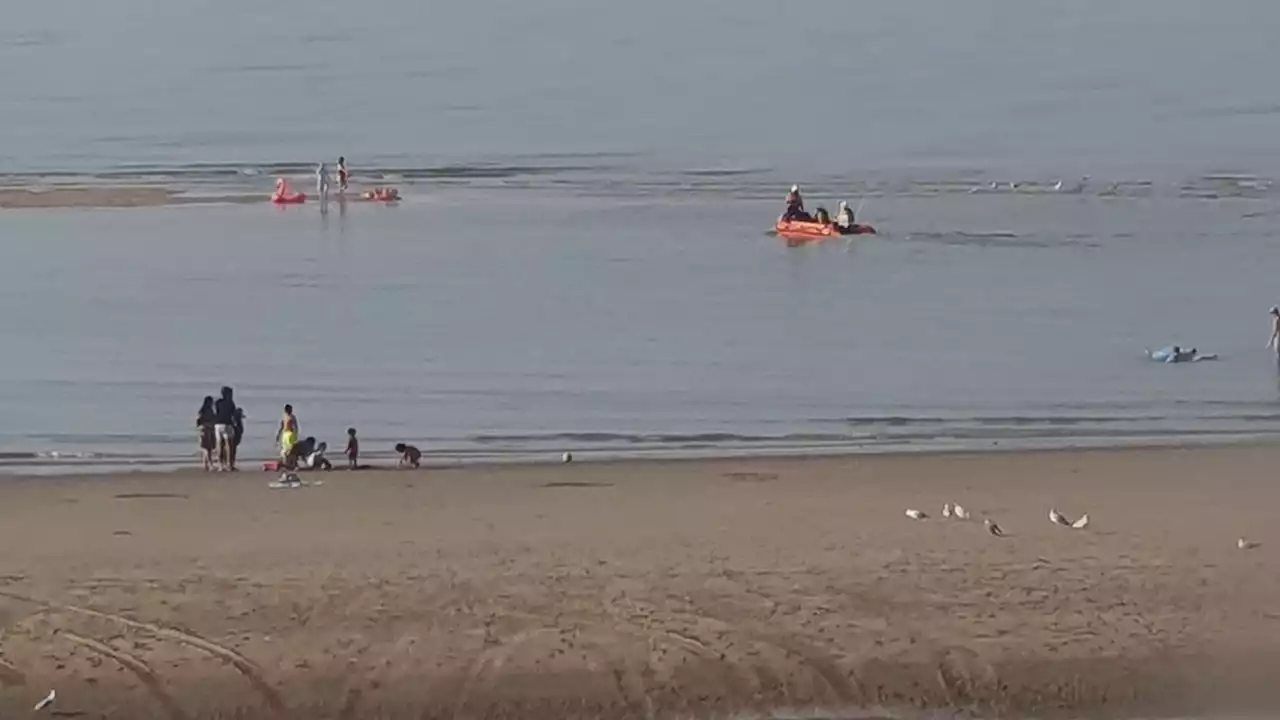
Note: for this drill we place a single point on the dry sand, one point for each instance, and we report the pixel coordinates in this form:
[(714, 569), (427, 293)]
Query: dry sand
[(649, 589)]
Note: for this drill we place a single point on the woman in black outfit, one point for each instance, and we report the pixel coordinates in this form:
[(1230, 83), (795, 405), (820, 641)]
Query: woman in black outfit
[(204, 429)]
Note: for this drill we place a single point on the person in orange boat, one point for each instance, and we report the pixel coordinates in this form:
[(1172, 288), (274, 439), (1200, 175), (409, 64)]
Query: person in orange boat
[(795, 206), (844, 216)]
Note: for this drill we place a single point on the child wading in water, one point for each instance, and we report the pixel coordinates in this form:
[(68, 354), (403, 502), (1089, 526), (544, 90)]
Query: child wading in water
[(410, 456), (353, 449)]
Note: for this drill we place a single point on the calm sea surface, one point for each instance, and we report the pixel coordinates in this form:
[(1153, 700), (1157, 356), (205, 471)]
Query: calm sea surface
[(581, 260)]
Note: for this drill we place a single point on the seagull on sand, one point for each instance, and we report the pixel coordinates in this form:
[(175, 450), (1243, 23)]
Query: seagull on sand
[(46, 702), (1245, 544), (946, 510), (1057, 186), (1082, 523), (960, 513), (915, 514), (993, 528), (1056, 518)]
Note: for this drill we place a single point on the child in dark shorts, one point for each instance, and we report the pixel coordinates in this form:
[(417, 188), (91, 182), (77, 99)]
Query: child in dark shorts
[(353, 449)]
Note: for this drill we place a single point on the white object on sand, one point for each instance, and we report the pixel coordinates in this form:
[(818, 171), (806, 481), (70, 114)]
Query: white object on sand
[(1082, 523), (287, 480), (960, 513), (993, 528), (46, 702), (567, 457), (946, 510), (1056, 518), (915, 514), (1245, 544)]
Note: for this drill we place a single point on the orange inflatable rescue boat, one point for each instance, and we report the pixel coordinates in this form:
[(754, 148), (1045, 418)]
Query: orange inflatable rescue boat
[(800, 232), (284, 196)]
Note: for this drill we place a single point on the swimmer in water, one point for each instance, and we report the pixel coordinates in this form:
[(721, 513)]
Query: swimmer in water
[(343, 174)]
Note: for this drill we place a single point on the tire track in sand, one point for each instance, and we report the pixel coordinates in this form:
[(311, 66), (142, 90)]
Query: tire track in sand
[(243, 665)]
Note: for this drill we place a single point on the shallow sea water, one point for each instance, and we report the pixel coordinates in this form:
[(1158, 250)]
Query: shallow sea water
[(581, 261)]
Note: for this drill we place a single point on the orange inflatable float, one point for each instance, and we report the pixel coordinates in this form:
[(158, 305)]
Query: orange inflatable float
[(381, 194), (284, 196), (799, 232)]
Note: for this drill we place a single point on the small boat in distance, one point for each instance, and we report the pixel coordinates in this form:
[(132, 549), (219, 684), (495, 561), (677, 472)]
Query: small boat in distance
[(801, 232)]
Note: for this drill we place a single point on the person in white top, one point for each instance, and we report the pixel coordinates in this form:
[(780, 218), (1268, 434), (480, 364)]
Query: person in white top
[(1274, 342), (322, 183)]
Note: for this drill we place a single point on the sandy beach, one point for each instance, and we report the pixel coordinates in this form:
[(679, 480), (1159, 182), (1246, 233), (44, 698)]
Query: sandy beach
[(680, 589)]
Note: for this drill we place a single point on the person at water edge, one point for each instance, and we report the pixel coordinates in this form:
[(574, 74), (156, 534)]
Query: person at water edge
[(204, 428), (224, 428), (238, 435), (287, 433), (343, 174), (322, 182), (308, 455), (795, 205), (1274, 342), (410, 456), (844, 216), (298, 452), (353, 449)]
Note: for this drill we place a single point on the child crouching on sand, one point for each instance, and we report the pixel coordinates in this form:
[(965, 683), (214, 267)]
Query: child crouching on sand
[(410, 456)]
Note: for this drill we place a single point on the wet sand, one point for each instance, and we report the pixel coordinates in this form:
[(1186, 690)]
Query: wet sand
[(650, 589), (100, 197), (18, 198)]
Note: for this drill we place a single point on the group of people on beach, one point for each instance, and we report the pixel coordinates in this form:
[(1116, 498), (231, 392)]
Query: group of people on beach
[(220, 427)]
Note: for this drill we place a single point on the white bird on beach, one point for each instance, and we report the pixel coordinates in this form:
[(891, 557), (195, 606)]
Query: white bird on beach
[(993, 528), (946, 510), (567, 457), (1057, 186), (1245, 544), (1082, 523), (960, 513), (1056, 518), (915, 514), (46, 702)]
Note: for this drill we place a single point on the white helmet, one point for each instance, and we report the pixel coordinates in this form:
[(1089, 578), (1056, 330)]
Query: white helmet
[(795, 188)]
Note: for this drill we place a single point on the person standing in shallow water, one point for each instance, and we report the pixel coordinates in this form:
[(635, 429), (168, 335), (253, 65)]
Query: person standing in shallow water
[(204, 429), (225, 428), (1274, 342), (322, 183)]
